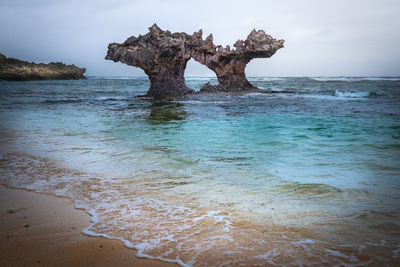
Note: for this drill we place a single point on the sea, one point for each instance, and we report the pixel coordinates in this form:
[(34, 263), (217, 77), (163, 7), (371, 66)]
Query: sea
[(281, 179)]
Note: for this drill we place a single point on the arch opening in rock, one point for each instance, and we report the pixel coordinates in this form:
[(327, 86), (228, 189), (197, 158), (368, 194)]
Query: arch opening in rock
[(196, 75)]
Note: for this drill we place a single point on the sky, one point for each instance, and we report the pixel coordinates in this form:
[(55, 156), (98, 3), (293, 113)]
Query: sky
[(322, 37)]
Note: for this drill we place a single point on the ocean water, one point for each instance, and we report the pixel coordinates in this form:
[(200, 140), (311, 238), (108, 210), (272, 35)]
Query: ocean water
[(306, 178)]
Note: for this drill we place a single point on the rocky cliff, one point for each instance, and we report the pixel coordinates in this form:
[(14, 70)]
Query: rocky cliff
[(16, 70)]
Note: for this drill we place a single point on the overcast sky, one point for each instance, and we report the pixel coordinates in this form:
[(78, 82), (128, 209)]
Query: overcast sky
[(323, 37)]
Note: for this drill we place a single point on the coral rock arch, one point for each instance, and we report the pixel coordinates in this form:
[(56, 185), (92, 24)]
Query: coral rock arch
[(163, 57)]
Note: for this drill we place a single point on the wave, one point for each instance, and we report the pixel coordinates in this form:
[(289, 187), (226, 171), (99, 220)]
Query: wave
[(74, 101), (344, 94), (201, 78), (354, 79), (340, 95), (266, 79), (112, 98), (115, 78), (309, 189), (255, 93), (381, 79), (180, 232), (63, 101), (273, 79)]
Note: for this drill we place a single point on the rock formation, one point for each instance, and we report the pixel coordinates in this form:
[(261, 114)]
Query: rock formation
[(16, 70), (163, 57), (229, 65)]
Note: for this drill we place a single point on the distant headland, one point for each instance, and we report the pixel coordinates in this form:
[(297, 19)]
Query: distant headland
[(163, 57), (12, 69)]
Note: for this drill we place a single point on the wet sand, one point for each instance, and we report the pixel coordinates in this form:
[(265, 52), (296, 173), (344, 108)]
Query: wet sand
[(44, 230)]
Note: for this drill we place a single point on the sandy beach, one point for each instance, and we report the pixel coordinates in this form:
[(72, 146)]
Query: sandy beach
[(44, 230)]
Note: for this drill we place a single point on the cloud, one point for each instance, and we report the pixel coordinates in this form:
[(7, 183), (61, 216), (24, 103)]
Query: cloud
[(322, 37)]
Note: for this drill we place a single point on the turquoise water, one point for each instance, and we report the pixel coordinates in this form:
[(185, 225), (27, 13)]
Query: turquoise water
[(255, 179)]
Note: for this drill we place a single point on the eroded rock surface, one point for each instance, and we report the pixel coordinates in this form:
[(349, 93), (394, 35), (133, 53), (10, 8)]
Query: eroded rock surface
[(229, 65), (16, 70), (163, 57)]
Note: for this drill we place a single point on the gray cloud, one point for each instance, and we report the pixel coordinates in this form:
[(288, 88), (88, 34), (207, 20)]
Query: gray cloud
[(322, 37)]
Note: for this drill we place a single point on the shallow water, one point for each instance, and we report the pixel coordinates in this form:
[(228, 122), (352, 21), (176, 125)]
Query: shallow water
[(258, 179)]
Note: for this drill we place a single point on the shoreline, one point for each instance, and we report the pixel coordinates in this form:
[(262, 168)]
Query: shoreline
[(45, 230)]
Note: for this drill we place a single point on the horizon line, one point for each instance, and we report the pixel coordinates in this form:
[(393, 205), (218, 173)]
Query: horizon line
[(300, 76)]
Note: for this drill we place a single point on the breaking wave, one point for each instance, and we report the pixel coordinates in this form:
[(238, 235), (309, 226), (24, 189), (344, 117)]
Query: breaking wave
[(345, 94)]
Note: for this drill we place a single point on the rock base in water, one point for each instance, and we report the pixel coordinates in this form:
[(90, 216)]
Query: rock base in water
[(229, 64), (163, 57)]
